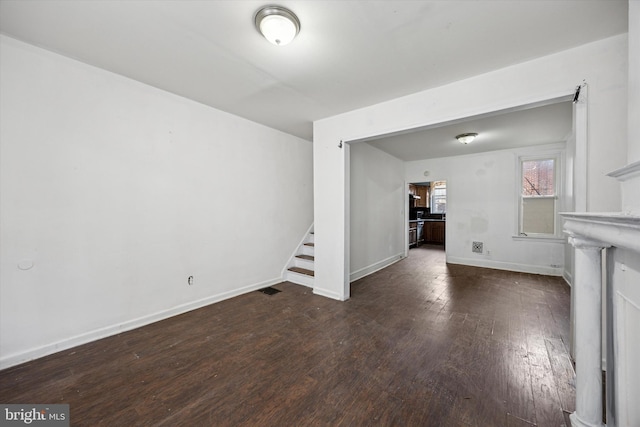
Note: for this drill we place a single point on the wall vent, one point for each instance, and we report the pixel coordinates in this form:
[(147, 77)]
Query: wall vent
[(477, 247)]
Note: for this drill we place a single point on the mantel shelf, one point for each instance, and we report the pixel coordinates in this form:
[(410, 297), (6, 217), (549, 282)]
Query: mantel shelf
[(590, 233), (628, 172), (613, 229)]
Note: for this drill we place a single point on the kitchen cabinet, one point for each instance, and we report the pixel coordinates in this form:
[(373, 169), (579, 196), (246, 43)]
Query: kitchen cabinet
[(434, 232), (423, 192), (438, 232)]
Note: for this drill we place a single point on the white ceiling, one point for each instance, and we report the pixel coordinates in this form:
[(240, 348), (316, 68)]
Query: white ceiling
[(348, 55), (539, 125)]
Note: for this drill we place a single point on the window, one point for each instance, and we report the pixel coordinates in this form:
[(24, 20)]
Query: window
[(538, 196), (439, 197)]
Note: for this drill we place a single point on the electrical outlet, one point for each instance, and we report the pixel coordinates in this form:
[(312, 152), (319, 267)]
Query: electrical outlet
[(190, 280), (477, 247)]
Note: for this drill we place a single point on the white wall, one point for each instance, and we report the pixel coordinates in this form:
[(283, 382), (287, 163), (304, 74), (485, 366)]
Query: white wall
[(602, 64), (631, 187), (625, 293), (116, 192), (626, 264), (377, 198), (634, 81), (482, 206)]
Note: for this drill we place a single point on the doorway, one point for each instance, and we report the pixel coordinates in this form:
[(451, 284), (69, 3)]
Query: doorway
[(427, 210), (576, 167)]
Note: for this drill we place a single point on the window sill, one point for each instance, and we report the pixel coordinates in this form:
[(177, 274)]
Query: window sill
[(545, 239)]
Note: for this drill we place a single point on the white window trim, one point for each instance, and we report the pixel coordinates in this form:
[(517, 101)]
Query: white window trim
[(559, 158), (433, 197)]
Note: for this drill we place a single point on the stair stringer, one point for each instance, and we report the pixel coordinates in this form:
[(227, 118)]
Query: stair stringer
[(297, 278)]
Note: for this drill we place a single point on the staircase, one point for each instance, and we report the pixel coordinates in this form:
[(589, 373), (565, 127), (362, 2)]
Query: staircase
[(300, 269)]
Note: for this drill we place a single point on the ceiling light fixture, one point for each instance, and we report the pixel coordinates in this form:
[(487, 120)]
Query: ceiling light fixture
[(466, 138), (277, 24)]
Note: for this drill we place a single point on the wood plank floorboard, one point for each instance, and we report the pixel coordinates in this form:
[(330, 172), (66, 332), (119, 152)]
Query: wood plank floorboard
[(420, 343)]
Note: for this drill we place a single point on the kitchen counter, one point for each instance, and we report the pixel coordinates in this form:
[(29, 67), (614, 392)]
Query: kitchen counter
[(427, 230)]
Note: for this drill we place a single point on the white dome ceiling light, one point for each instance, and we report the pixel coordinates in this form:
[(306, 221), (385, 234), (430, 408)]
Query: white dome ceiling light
[(466, 138), (277, 24)]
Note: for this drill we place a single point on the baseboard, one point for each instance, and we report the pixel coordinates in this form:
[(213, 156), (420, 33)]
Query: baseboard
[(84, 338), (359, 274), (299, 279), (566, 275), (509, 266), (329, 294)]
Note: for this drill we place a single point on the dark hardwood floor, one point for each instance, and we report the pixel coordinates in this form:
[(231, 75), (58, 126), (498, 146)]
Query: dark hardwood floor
[(420, 343)]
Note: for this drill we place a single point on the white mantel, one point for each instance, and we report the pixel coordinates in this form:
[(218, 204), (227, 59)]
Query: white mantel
[(619, 233), (611, 229)]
